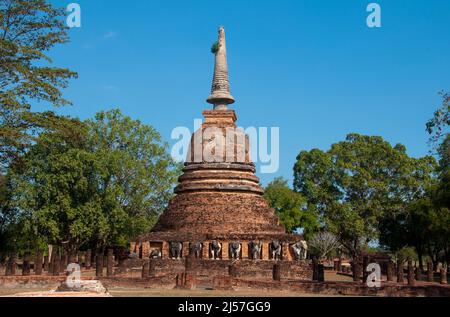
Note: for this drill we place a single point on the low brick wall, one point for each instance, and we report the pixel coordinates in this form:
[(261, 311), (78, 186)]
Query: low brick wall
[(337, 288), (260, 269)]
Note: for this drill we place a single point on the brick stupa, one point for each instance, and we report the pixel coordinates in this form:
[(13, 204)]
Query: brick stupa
[(218, 197)]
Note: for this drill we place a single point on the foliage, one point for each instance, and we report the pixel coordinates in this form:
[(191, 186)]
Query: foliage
[(290, 207), (215, 48), (28, 30), (441, 119), (323, 243), (358, 182), (96, 182)]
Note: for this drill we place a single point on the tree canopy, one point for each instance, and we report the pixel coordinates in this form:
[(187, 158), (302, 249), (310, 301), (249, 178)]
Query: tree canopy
[(98, 182), (291, 207), (357, 182), (28, 30)]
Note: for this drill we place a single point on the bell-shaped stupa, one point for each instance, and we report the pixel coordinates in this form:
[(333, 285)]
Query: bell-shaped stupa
[(218, 200)]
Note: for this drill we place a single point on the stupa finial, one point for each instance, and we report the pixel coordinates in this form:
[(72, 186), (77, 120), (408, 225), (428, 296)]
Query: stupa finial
[(220, 92)]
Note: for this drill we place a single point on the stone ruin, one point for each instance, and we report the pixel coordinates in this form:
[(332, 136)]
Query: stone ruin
[(218, 212)]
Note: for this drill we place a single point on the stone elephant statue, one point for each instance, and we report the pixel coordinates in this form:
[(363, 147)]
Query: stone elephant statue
[(195, 249), (176, 249), (300, 250), (235, 250), (255, 250), (275, 250), (155, 254), (214, 249)]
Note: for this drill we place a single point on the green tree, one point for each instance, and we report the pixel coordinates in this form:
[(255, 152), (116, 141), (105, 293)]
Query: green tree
[(136, 178), (291, 207), (356, 183), (28, 30), (96, 183), (441, 120)]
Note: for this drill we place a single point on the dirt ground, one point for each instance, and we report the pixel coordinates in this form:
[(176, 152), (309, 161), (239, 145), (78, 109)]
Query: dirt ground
[(142, 292)]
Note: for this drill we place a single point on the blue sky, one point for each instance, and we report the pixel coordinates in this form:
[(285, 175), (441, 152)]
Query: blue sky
[(312, 68)]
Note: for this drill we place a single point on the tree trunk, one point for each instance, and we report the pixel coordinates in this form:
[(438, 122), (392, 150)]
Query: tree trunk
[(38, 262), (356, 270), (418, 273), (399, 271), (420, 256), (389, 272), (26, 264), (430, 272), (56, 262), (146, 269), (411, 281), (443, 276), (110, 263), (11, 266), (88, 259), (46, 263), (99, 264), (365, 264)]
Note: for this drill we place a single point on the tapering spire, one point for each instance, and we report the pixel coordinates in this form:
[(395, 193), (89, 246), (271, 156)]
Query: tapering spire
[(220, 92)]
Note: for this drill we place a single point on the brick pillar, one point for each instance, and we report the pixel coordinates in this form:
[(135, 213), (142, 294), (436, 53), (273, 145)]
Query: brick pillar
[(26, 264), (443, 279), (88, 259), (52, 256), (225, 251), (165, 250), (205, 250), (364, 268), (38, 262), (152, 267), (99, 264), (56, 262), (63, 265), (389, 272), (285, 254), (185, 251), (340, 265), (245, 254), (321, 273), (336, 265), (430, 272), (315, 265), (277, 272), (46, 263), (356, 270), (110, 263), (233, 271), (399, 271), (146, 269), (418, 273), (265, 250), (132, 247), (411, 281), (146, 250)]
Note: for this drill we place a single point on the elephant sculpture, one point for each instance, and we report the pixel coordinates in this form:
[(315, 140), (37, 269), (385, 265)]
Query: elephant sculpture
[(255, 250), (176, 249), (156, 254), (196, 250), (300, 250), (214, 249), (275, 250), (235, 250)]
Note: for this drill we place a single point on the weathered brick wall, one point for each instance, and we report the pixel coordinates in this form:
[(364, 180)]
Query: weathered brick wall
[(243, 268), (220, 213)]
